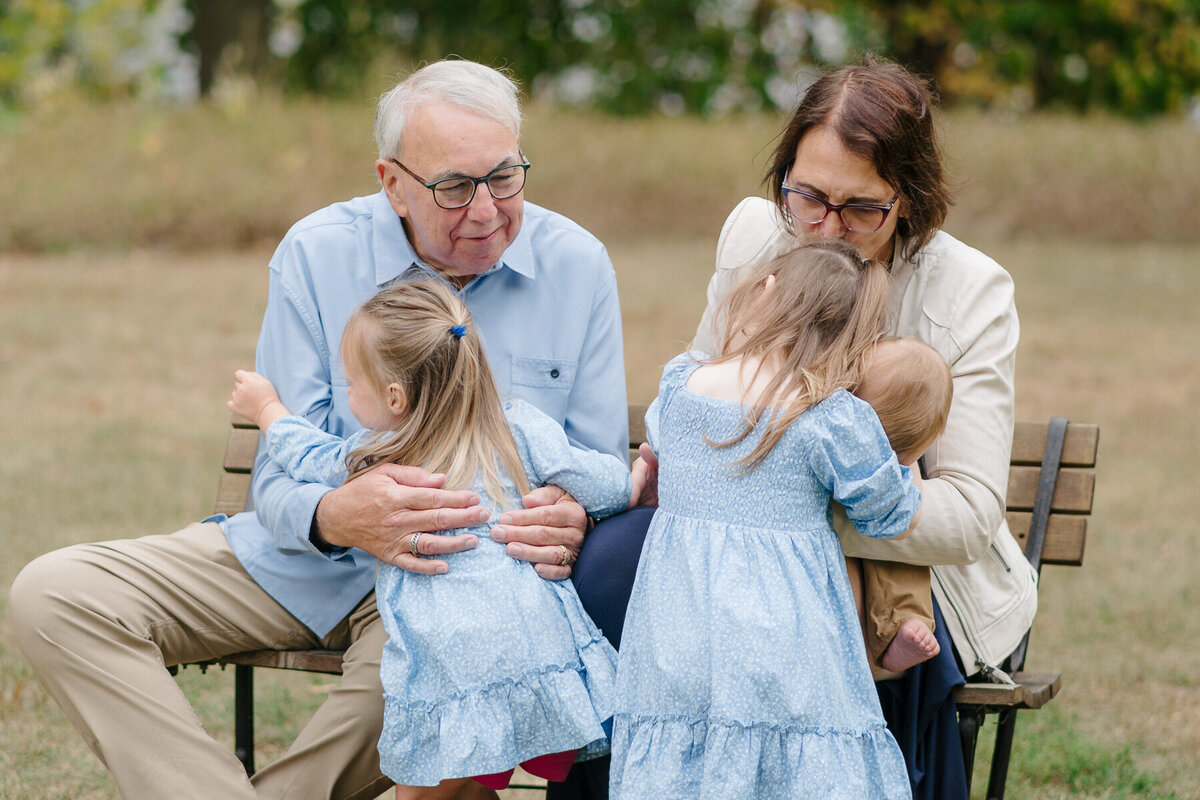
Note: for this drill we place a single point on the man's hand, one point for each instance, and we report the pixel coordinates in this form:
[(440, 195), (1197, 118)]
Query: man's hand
[(645, 478), (548, 532), (380, 510)]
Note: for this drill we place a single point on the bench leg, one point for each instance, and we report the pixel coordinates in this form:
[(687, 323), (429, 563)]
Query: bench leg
[(968, 733), (243, 715), (1001, 755)]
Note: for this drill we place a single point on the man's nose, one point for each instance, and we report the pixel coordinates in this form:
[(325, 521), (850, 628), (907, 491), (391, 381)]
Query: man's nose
[(482, 205)]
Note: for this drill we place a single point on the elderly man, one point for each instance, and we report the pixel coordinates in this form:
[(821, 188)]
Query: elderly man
[(101, 622)]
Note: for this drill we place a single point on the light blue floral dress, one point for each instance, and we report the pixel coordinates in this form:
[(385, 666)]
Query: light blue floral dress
[(488, 665), (743, 672)]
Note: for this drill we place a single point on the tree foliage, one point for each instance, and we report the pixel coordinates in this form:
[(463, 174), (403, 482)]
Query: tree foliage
[(627, 56)]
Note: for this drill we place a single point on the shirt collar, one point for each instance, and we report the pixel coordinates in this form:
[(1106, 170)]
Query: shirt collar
[(394, 253)]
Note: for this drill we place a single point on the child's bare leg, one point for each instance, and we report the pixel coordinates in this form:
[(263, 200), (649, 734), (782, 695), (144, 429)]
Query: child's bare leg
[(914, 643), (453, 789)]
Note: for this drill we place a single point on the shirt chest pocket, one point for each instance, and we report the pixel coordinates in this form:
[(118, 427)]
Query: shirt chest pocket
[(543, 373)]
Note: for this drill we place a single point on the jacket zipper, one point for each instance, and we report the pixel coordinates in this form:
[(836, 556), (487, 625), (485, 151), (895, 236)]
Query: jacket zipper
[(991, 672), (1000, 557)]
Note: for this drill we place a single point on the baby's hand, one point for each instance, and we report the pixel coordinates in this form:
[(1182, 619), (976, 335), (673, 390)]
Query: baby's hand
[(255, 398)]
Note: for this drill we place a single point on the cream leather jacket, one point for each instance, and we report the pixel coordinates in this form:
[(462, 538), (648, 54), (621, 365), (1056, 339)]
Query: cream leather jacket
[(961, 302)]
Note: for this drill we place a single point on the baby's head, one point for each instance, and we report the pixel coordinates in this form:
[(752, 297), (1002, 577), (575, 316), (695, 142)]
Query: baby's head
[(908, 384)]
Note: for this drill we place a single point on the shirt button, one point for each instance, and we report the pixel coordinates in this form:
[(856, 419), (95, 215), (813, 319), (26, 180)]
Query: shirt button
[(554, 373)]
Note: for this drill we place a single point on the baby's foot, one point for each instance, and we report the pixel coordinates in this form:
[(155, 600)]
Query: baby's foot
[(914, 643)]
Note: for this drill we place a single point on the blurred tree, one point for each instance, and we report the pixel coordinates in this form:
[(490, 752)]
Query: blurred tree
[(625, 56), (105, 48), (1133, 56), (235, 31)]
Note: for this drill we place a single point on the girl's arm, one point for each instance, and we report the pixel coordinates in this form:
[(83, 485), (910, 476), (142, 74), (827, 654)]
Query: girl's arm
[(310, 455), (850, 454), (917, 482), (599, 482), (304, 451)]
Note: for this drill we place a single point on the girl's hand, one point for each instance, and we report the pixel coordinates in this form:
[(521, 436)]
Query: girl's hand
[(645, 478), (548, 532), (254, 397)]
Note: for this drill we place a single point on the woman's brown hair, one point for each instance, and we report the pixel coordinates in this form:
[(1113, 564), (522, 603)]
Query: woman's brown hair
[(823, 312), (420, 336), (881, 112)]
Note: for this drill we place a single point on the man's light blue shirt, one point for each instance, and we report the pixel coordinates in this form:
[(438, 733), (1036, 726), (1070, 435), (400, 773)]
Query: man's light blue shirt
[(551, 324)]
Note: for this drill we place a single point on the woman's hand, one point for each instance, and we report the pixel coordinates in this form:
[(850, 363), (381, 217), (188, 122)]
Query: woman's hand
[(380, 510), (645, 478), (548, 532)]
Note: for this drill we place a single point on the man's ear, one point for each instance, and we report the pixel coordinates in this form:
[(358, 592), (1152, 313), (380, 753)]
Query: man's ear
[(390, 180), (397, 399)]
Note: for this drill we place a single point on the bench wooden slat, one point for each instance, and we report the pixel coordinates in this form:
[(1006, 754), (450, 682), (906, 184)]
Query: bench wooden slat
[(232, 493), (1073, 492), (1065, 537), (240, 449), (1032, 690), (637, 426), (1079, 447), (325, 661)]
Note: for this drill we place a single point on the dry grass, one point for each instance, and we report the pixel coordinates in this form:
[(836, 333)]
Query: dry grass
[(240, 173), (116, 364)]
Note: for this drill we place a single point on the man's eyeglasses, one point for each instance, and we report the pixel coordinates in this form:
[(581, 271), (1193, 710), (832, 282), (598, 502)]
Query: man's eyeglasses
[(459, 190), (857, 217)]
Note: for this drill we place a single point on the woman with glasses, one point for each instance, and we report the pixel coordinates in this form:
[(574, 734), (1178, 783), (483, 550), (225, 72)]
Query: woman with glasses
[(859, 160)]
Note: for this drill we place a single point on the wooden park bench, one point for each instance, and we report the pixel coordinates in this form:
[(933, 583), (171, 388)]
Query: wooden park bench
[(1050, 488)]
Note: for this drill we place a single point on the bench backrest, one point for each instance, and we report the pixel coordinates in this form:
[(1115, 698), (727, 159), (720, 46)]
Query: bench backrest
[(1066, 528)]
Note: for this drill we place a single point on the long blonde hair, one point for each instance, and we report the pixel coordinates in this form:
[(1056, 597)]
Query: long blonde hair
[(823, 313), (420, 335)]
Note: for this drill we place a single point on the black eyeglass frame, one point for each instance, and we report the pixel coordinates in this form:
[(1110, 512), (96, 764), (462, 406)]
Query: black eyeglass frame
[(830, 207), (486, 179)]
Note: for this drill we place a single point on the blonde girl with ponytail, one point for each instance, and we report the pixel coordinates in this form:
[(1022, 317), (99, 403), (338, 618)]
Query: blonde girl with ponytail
[(487, 665)]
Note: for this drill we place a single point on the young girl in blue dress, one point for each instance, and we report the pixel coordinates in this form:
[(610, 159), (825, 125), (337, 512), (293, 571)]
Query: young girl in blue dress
[(742, 667), (488, 665)]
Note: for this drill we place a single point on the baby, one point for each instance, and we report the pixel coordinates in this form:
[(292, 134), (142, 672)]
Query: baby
[(908, 384)]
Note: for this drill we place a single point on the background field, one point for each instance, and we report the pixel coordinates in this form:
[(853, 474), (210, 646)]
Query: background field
[(132, 281)]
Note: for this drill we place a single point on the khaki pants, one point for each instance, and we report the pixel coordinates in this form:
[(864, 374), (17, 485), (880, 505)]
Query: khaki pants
[(101, 622), (893, 593)]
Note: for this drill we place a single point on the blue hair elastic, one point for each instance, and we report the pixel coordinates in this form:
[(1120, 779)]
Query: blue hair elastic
[(458, 331)]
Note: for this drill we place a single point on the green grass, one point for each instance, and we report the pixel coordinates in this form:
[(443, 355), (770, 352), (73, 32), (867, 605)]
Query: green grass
[(128, 296), (1051, 759)]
